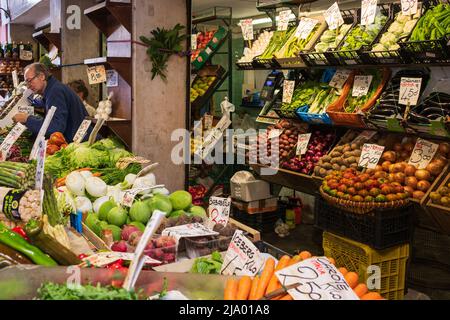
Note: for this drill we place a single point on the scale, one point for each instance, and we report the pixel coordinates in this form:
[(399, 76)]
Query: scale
[(270, 93)]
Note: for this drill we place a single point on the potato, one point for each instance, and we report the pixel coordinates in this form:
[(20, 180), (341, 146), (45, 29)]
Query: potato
[(334, 160), (336, 167), (356, 153), (343, 168), (355, 146), (335, 154), (284, 137), (341, 161), (347, 154), (354, 165), (326, 158), (347, 148), (351, 160), (339, 149), (327, 165)]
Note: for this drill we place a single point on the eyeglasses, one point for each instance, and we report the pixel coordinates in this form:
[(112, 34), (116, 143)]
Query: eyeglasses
[(30, 80)]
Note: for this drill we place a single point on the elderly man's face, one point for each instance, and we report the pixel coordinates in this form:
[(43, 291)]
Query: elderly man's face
[(35, 82)]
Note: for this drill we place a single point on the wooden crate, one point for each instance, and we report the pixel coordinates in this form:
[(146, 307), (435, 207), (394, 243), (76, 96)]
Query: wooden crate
[(439, 213), (434, 186)]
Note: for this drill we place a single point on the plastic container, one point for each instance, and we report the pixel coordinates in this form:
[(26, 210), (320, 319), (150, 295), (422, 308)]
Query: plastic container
[(313, 118), (165, 254), (379, 228), (359, 257), (265, 247), (263, 222), (203, 246)]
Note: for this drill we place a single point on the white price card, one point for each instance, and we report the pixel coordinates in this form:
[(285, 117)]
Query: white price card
[(81, 132), (409, 91), (364, 136), (26, 55), (370, 155), (288, 90), (40, 163), (302, 143), (368, 12), (96, 74), (189, 231), (42, 131), (102, 259), (305, 27), (194, 41), (26, 109), (409, 7), (283, 20), (275, 133), (339, 78), (361, 85), (112, 78), (219, 211), (15, 79), (242, 257), (129, 195), (10, 139), (315, 279), (333, 17), (247, 28), (423, 153)]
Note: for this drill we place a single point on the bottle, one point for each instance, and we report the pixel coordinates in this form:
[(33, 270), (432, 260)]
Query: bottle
[(8, 50), (15, 51)]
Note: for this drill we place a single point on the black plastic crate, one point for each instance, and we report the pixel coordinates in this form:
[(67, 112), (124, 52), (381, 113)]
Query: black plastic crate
[(263, 222), (265, 247), (379, 229)]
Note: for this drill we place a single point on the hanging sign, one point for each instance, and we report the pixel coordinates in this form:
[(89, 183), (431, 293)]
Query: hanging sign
[(333, 17), (194, 41), (370, 155), (288, 90), (81, 132), (305, 27), (409, 91), (219, 211), (96, 74), (409, 7), (423, 153), (302, 143), (247, 29), (10, 139), (361, 85), (368, 12), (26, 109), (283, 20), (339, 78)]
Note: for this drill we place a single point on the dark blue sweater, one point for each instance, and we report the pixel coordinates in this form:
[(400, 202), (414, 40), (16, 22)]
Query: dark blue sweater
[(70, 111)]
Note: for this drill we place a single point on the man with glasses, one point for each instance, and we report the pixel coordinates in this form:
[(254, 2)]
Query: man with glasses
[(70, 111)]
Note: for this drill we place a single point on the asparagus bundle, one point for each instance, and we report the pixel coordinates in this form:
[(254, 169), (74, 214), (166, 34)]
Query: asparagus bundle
[(17, 175)]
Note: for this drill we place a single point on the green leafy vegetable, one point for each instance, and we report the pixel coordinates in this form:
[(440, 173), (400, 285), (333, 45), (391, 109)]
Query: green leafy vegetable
[(210, 265)]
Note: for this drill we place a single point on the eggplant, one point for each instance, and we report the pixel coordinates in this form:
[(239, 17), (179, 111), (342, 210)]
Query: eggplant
[(432, 110), (417, 118)]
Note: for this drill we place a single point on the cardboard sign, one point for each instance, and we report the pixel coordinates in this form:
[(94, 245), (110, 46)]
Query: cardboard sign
[(194, 41), (305, 27), (275, 133), (423, 153), (81, 132), (40, 165), (409, 7), (102, 259), (315, 279), (283, 21), (368, 12), (42, 131), (26, 55), (189, 231), (247, 29), (112, 78), (361, 85), (288, 90), (242, 257), (364, 136), (10, 139), (219, 211), (129, 195), (339, 79), (302, 143), (333, 17), (26, 109), (370, 155), (15, 79), (409, 91), (96, 74)]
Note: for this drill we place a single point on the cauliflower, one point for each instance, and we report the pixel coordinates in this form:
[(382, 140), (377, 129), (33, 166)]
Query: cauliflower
[(379, 47), (401, 18), (388, 38), (394, 47), (409, 26), (396, 28)]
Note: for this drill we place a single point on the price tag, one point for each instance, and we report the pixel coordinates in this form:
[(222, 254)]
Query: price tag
[(315, 279), (219, 211), (423, 153), (283, 20), (302, 143), (333, 17), (364, 136), (97, 127), (112, 78), (26, 109), (361, 85), (242, 257), (370, 155), (42, 131), (189, 231), (10, 139), (339, 79), (15, 79), (288, 90), (102, 259), (96, 74), (129, 195), (26, 55), (275, 133), (409, 7), (368, 12), (305, 27), (40, 163), (194, 41), (81, 132), (247, 29), (409, 91), (208, 122)]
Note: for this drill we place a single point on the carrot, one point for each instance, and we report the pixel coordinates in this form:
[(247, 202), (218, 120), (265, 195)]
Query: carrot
[(97, 174), (332, 261), (294, 260), (274, 283), (286, 297), (255, 282), (266, 274), (372, 296), (60, 182), (244, 286), (343, 270), (231, 289), (360, 290), (305, 255)]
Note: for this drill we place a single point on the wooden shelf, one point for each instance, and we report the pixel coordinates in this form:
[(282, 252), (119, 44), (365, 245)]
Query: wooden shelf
[(121, 65), (119, 127), (47, 38), (110, 15)]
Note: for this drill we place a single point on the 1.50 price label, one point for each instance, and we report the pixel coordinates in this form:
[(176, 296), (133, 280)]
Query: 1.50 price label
[(409, 91), (423, 153), (370, 155)]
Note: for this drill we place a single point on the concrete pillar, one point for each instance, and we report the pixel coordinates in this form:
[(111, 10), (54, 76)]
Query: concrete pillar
[(159, 108), (79, 44)]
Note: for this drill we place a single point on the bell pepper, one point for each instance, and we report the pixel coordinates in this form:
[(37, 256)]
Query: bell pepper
[(21, 232), (57, 138)]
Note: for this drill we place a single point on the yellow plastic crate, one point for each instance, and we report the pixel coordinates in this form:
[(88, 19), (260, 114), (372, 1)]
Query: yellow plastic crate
[(358, 257)]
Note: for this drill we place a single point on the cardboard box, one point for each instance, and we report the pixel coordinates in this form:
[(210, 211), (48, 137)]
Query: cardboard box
[(258, 206), (250, 190)]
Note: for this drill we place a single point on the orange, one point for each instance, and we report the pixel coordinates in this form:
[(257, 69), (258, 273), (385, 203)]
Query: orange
[(343, 270), (372, 296), (352, 279), (305, 255), (360, 290)]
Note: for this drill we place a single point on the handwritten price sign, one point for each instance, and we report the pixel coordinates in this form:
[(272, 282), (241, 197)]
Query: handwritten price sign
[(409, 7), (288, 90), (247, 29), (305, 27), (333, 17), (96, 74), (302, 143), (40, 162), (423, 153), (339, 79), (409, 91), (361, 85), (81, 132), (368, 12), (275, 133), (370, 155), (315, 279), (242, 257), (219, 211), (283, 20), (189, 231)]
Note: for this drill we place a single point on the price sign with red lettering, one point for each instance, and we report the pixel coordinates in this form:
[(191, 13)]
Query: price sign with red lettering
[(424, 151), (339, 78), (409, 7), (288, 90), (242, 257), (315, 279), (333, 17), (302, 143), (81, 132), (247, 29), (219, 211), (409, 91), (10, 139), (368, 12), (370, 155)]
